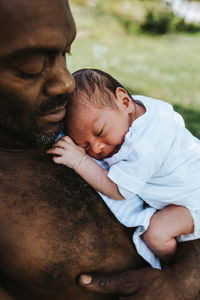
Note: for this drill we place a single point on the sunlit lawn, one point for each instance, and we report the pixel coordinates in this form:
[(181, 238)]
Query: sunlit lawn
[(165, 67)]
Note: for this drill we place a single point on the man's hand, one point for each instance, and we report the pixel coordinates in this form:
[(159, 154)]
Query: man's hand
[(179, 281), (142, 284), (67, 153)]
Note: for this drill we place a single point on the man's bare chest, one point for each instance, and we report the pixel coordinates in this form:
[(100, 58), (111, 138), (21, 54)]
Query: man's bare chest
[(54, 227), (38, 208)]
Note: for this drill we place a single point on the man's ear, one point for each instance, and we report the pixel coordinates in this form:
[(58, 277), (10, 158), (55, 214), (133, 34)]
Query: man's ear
[(124, 99)]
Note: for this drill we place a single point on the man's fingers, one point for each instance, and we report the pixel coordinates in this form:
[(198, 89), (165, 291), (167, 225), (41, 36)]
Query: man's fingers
[(122, 284)]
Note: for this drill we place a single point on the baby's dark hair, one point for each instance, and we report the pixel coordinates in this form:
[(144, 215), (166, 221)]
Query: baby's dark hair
[(90, 81)]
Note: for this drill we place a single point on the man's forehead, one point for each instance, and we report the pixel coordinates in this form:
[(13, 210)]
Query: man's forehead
[(28, 8), (28, 23)]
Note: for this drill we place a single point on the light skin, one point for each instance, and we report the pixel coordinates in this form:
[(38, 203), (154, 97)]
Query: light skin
[(100, 131)]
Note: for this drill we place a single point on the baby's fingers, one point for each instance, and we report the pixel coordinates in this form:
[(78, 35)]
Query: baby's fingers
[(61, 144), (58, 159), (55, 150), (65, 142), (67, 139)]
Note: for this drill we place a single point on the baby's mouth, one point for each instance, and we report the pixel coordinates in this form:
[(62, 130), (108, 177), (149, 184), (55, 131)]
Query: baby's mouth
[(116, 149)]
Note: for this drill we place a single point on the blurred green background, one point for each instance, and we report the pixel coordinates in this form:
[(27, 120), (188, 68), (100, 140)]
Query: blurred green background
[(149, 50)]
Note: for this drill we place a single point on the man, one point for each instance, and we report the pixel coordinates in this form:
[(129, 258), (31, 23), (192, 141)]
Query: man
[(53, 225)]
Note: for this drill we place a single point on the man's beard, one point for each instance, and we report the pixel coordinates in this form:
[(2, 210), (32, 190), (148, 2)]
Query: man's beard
[(36, 134), (23, 126), (40, 138)]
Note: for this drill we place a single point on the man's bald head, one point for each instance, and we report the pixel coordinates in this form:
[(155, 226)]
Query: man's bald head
[(22, 17)]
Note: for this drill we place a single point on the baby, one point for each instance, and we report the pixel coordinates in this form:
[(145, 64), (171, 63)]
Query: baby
[(149, 153)]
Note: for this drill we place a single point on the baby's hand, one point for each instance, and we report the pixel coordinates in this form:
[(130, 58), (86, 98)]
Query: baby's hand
[(67, 153)]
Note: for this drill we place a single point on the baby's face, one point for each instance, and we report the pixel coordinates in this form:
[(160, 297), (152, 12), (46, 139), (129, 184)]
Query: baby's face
[(100, 131)]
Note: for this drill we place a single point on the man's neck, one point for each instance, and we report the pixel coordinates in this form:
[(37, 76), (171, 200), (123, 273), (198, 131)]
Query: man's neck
[(7, 142), (36, 150), (11, 143)]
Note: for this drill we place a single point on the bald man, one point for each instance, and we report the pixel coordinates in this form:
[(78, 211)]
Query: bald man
[(53, 225)]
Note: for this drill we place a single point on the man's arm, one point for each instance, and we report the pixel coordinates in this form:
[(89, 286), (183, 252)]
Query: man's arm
[(74, 157), (179, 281)]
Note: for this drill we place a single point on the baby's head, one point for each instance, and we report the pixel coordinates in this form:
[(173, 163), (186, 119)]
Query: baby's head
[(94, 87), (99, 113)]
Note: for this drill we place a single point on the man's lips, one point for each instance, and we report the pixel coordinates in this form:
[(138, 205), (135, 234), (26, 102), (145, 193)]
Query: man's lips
[(54, 115)]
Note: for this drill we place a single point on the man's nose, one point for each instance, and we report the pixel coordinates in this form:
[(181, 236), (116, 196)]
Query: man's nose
[(60, 80)]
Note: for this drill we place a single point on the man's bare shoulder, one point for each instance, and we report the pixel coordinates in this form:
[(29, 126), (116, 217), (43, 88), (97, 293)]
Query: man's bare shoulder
[(36, 170)]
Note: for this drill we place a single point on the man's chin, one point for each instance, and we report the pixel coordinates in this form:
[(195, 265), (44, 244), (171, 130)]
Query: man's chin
[(39, 137), (44, 139)]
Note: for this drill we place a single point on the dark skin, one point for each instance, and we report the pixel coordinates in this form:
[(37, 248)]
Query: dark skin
[(49, 237), (53, 225), (179, 281)]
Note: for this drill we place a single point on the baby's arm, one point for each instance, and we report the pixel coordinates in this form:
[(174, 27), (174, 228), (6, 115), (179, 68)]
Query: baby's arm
[(69, 154)]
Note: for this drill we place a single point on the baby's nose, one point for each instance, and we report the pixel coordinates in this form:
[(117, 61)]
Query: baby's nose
[(98, 148)]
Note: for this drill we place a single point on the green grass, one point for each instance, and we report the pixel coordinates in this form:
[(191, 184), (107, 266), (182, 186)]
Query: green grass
[(164, 67)]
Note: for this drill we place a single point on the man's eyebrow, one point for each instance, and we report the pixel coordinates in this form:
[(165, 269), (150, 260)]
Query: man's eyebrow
[(42, 49), (31, 50), (38, 49), (18, 53)]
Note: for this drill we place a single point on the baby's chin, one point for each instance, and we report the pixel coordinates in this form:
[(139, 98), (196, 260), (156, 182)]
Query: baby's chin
[(102, 155), (116, 149)]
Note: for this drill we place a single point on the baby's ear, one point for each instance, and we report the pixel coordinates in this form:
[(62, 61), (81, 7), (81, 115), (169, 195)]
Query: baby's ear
[(123, 98)]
